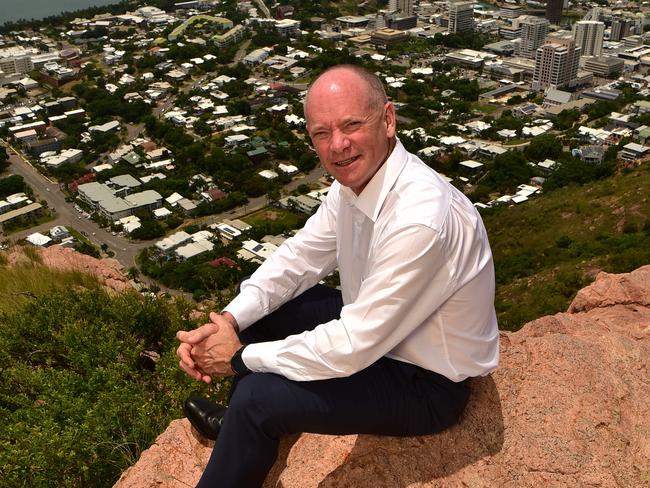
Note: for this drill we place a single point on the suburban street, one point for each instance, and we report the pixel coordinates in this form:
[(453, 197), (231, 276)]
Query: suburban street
[(125, 250)]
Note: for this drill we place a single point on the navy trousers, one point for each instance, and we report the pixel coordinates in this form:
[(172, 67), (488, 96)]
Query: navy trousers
[(387, 398)]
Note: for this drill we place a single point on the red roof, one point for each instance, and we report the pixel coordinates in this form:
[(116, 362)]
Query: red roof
[(223, 261)]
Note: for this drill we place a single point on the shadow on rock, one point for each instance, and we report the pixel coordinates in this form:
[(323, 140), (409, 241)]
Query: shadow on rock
[(394, 462)]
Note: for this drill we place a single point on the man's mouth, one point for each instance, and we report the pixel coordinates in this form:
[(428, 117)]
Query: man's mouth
[(345, 162)]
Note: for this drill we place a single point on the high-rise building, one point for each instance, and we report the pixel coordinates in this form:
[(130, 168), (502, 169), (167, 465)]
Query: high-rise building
[(461, 16), (620, 29), (16, 59), (589, 35), (554, 11), (533, 32), (556, 64), (404, 7)]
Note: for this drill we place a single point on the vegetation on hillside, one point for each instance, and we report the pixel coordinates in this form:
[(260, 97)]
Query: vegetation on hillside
[(78, 401), (549, 248)]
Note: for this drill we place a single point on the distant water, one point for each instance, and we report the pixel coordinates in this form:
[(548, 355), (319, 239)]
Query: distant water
[(12, 10)]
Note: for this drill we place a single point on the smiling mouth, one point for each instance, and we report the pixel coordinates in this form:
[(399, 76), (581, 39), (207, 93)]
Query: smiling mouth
[(346, 162)]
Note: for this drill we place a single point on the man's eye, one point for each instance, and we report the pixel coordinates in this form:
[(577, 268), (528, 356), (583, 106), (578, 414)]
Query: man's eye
[(352, 125), (319, 135)]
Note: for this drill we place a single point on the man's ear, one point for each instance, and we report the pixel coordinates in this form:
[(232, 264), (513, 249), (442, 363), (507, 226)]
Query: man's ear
[(390, 120)]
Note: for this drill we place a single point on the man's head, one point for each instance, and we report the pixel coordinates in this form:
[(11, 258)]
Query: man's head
[(351, 124)]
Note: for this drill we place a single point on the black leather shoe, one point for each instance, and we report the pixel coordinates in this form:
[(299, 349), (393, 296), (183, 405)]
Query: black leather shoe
[(205, 416)]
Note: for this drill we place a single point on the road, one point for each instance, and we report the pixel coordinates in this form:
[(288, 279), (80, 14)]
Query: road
[(125, 250), (264, 8), (45, 189)]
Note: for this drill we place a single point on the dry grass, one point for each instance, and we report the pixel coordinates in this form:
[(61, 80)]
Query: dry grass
[(29, 280)]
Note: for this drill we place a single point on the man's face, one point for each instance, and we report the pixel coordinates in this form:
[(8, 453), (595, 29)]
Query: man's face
[(351, 140)]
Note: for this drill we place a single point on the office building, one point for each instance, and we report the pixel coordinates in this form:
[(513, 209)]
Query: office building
[(620, 28), (556, 64), (554, 11), (461, 16), (16, 60), (604, 66), (509, 11), (404, 7), (387, 37), (588, 35), (533, 32)]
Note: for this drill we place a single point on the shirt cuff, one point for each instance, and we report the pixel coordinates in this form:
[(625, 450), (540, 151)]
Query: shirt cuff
[(245, 309), (260, 357)]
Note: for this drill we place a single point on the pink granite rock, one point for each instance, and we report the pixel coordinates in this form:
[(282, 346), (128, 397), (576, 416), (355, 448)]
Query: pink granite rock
[(568, 406), (108, 271)]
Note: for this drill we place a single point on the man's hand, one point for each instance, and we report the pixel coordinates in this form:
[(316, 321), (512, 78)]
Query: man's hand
[(184, 352), (207, 350), (213, 354)]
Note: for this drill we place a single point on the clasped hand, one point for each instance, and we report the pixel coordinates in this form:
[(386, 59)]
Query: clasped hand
[(206, 351)]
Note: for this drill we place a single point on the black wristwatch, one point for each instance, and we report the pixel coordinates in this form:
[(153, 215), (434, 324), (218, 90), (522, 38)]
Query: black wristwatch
[(237, 363)]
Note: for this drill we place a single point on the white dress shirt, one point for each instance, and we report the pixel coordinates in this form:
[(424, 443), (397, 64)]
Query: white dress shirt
[(417, 280)]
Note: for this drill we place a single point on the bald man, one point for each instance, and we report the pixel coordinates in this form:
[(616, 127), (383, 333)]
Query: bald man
[(390, 352)]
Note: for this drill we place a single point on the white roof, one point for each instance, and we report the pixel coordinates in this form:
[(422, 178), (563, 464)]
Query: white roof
[(287, 168), (173, 240), (519, 198), (101, 167), (174, 198), (131, 226), (38, 239), (202, 235), (633, 146), (268, 174), (194, 249), (262, 250), (470, 163), (162, 212), (451, 140), (228, 230)]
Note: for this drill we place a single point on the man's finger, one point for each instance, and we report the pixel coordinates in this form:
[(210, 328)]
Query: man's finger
[(190, 371), (184, 354), (197, 335)]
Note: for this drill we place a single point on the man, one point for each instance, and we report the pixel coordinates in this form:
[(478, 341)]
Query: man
[(388, 354)]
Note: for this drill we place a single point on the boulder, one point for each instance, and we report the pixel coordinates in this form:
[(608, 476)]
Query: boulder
[(108, 271), (568, 406)]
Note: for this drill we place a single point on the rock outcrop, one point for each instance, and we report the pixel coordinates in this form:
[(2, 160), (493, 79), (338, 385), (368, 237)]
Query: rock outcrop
[(568, 406), (108, 271)]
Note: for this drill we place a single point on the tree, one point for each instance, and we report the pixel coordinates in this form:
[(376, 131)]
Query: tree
[(508, 170), (12, 184), (4, 159), (544, 147)]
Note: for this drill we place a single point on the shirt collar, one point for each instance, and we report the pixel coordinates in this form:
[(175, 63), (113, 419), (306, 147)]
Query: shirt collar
[(371, 199)]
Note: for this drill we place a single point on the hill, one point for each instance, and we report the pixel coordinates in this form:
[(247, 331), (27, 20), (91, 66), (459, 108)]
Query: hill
[(89, 377), (81, 396), (566, 407), (548, 248)]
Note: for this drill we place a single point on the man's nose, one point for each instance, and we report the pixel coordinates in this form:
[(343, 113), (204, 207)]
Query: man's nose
[(339, 142)]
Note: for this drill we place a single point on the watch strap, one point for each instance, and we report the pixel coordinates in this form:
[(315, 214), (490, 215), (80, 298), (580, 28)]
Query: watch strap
[(237, 363)]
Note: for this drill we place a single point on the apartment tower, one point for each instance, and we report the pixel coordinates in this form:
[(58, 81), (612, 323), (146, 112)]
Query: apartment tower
[(404, 7), (554, 11), (461, 16), (533, 32), (620, 28), (589, 35), (556, 64)]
